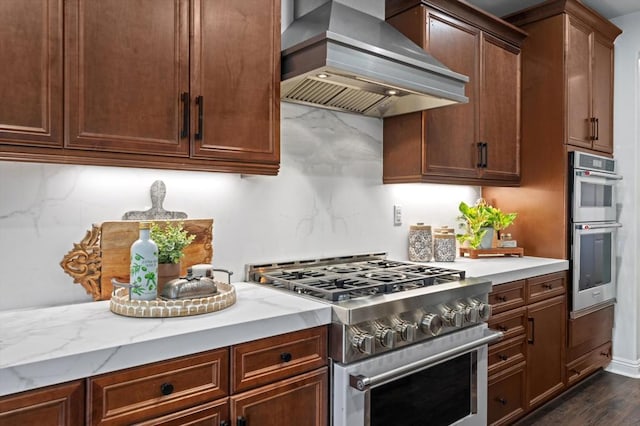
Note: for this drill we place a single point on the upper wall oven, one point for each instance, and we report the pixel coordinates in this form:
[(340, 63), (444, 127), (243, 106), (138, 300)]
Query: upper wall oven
[(594, 188), (593, 231)]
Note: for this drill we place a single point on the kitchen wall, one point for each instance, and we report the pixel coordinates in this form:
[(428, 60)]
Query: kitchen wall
[(327, 200), (626, 339)]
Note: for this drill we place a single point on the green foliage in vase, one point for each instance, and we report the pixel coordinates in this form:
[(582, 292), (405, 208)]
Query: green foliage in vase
[(475, 219), (171, 240)]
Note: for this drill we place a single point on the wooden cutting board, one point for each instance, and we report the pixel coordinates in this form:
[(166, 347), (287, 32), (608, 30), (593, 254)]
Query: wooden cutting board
[(115, 243), (103, 253)]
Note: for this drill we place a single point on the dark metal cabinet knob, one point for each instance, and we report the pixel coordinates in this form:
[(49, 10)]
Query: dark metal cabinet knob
[(166, 388), (241, 421), (286, 357)]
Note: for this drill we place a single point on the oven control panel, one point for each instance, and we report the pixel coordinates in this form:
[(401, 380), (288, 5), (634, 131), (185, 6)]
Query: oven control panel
[(368, 338)]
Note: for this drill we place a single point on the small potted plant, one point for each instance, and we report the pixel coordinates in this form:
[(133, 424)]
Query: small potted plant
[(171, 240), (479, 223)]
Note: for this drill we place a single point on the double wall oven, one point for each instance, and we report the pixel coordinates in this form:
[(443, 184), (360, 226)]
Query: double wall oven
[(594, 230), (408, 342)]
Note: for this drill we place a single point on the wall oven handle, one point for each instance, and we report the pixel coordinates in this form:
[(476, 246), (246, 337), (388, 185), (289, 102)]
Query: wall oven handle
[(587, 226), (363, 383), (588, 173)]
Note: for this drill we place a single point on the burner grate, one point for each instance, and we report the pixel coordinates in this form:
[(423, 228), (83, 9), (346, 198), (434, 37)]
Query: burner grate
[(340, 279)]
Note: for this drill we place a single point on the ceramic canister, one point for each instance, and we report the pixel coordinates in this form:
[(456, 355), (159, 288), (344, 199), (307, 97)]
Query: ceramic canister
[(444, 244), (420, 243)]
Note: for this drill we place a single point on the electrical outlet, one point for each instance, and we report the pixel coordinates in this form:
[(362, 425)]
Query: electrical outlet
[(397, 215)]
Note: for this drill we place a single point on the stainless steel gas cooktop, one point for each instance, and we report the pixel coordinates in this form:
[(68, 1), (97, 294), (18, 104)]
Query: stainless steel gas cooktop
[(380, 304)]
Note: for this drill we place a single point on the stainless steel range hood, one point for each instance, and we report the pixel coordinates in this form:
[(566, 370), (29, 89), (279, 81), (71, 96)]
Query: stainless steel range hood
[(342, 55)]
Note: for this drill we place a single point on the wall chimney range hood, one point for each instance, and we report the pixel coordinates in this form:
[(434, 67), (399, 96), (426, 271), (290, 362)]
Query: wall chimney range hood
[(342, 55)]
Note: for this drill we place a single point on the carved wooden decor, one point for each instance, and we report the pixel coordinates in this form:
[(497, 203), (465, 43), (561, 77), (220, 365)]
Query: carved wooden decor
[(104, 253), (83, 262)]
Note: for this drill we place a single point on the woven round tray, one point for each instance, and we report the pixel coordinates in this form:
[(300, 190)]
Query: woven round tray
[(161, 308)]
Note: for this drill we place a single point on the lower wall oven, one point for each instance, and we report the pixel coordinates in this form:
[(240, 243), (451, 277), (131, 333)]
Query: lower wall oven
[(442, 381)]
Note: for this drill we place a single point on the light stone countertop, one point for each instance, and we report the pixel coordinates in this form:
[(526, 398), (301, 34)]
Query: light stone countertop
[(40, 347)]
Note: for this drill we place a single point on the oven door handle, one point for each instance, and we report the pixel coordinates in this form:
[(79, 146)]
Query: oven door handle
[(589, 173), (363, 383), (587, 226)]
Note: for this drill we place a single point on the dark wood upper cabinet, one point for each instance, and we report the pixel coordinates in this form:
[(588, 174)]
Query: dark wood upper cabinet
[(473, 143), (173, 84), (236, 70), (586, 68), (31, 76), (126, 68), (567, 78)]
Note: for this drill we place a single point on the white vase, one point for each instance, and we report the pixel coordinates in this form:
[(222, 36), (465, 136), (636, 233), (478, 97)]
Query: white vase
[(487, 239)]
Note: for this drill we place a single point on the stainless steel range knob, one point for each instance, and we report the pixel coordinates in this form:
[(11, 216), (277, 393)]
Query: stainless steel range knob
[(454, 318), (363, 342), (431, 324), (407, 330), (484, 311), (469, 312), (386, 336)]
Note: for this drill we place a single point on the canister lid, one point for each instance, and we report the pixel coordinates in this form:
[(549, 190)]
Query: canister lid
[(420, 226)]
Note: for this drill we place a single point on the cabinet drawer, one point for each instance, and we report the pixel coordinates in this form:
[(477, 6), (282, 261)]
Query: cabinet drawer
[(546, 286), (507, 296), (506, 353), (211, 413), (58, 405), (587, 364), (589, 331), (263, 361), (511, 323), (506, 396), (153, 390)]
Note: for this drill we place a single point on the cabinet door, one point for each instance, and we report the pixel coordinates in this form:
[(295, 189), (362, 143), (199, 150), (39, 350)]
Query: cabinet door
[(236, 80), (299, 401), (31, 83), (126, 68), (499, 108), (451, 141), (59, 405), (578, 104), (545, 351), (603, 94)]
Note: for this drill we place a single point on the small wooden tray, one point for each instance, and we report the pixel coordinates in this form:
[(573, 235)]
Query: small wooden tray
[(475, 253), (161, 308)]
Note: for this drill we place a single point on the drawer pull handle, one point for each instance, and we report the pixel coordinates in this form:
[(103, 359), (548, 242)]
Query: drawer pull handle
[(224, 423), (285, 356), (502, 401), (166, 388), (605, 354), (547, 286), (503, 357), (241, 421), (502, 298), (502, 328)]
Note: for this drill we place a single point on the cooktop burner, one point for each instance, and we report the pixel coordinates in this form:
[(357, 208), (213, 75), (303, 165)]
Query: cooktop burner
[(339, 279)]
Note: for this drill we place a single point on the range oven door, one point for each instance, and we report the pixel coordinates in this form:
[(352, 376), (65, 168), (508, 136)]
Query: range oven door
[(441, 381), (594, 264), (594, 196)]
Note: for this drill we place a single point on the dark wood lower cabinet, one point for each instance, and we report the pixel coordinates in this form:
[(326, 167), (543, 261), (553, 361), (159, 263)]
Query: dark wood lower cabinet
[(545, 350), (59, 405), (527, 368), (194, 389), (299, 401), (506, 397)]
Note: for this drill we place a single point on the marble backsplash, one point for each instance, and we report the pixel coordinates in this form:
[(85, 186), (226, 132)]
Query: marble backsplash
[(327, 200)]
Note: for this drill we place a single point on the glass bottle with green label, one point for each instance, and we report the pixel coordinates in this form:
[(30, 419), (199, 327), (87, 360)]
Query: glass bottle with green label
[(144, 266)]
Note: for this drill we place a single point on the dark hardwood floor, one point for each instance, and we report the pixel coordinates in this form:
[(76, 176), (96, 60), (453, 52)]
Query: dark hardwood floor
[(605, 399)]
